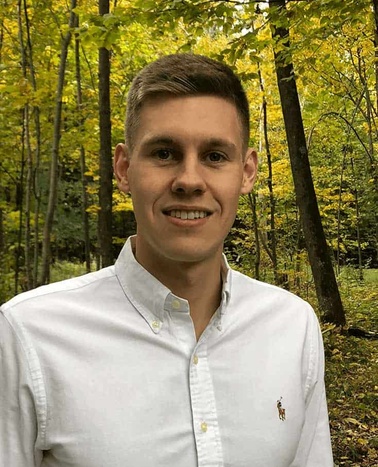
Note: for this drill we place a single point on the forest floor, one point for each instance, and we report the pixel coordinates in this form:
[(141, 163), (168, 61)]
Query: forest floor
[(352, 374), (351, 368)]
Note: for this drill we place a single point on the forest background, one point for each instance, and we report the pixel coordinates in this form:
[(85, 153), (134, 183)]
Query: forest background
[(65, 70)]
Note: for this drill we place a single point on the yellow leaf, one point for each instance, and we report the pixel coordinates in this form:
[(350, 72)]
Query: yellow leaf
[(353, 421)]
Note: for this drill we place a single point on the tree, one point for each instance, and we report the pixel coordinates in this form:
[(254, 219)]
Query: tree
[(320, 261), (106, 168), (33, 178), (272, 201), (84, 181), (375, 10), (53, 183)]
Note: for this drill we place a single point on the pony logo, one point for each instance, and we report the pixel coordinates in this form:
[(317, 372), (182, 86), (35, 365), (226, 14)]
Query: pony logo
[(281, 410)]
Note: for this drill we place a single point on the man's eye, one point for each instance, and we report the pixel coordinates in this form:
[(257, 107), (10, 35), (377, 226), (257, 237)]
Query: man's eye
[(215, 157), (163, 154)]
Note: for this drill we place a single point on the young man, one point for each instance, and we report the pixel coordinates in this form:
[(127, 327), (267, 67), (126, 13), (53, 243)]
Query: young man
[(169, 358)]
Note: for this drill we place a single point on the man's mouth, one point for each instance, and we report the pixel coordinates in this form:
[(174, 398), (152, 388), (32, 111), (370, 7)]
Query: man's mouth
[(180, 214)]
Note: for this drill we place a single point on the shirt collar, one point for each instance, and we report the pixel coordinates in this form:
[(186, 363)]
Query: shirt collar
[(152, 298)]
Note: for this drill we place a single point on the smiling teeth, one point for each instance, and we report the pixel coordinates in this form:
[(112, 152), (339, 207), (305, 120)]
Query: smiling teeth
[(188, 214)]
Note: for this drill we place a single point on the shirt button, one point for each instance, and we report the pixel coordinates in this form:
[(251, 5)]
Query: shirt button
[(203, 427), (155, 324), (176, 304), (195, 359)]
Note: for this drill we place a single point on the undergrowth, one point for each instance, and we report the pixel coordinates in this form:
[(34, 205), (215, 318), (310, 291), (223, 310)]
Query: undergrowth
[(352, 375)]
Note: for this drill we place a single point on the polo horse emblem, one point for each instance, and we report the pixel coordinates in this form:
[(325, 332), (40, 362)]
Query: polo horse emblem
[(281, 410)]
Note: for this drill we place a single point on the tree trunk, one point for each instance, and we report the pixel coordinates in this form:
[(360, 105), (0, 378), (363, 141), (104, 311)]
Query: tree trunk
[(20, 208), (84, 183), (298, 262), (29, 157), (252, 203), (272, 201), (358, 235), (375, 175), (53, 181), (324, 277), (28, 203), (375, 8), (3, 263), (106, 168), (25, 145), (1, 39), (2, 235), (34, 176), (29, 161)]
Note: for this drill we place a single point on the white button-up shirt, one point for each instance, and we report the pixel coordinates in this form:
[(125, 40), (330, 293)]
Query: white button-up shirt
[(105, 370)]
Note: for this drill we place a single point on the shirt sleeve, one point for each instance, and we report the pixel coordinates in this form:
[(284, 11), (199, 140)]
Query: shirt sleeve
[(314, 449), (18, 420)]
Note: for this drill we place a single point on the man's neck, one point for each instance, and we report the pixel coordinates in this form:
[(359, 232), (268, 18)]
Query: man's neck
[(199, 283)]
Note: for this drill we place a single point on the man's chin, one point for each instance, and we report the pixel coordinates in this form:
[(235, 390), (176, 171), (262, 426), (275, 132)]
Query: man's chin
[(191, 253)]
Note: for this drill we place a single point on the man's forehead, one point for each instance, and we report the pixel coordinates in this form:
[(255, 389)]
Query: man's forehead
[(163, 116), (162, 97)]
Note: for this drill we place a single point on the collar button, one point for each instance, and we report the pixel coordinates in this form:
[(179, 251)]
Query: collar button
[(156, 324), (176, 304)]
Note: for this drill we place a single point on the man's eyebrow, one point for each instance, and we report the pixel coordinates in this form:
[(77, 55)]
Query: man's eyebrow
[(220, 143), (157, 139), (207, 142)]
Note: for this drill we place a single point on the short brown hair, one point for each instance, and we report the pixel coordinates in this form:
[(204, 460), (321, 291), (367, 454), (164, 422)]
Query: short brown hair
[(185, 74)]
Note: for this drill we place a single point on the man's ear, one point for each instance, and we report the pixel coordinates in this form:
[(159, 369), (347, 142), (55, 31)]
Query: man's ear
[(249, 171), (121, 166)]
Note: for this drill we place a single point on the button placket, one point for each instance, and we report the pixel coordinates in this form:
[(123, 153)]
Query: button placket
[(205, 420)]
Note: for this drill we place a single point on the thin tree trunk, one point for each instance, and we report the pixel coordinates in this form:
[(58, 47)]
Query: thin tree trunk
[(53, 181), (297, 266), (20, 207), (37, 195), (375, 9), (339, 202), (324, 277), (252, 203), (3, 263), (28, 204), (356, 199), (2, 235), (34, 176), (272, 201), (84, 183), (25, 146), (1, 39), (106, 168), (29, 157)]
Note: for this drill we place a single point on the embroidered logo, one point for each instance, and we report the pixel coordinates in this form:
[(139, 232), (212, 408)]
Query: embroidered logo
[(281, 410)]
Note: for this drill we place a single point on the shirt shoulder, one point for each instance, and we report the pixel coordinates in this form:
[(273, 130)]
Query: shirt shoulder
[(246, 286), (270, 304), (57, 290)]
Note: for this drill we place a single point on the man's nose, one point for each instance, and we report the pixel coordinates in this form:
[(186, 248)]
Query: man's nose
[(189, 176)]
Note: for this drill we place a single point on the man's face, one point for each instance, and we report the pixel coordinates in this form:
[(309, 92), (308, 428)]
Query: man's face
[(185, 174)]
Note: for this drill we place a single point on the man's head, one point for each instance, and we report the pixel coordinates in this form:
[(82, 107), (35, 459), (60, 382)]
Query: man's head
[(186, 160), (185, 75)]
